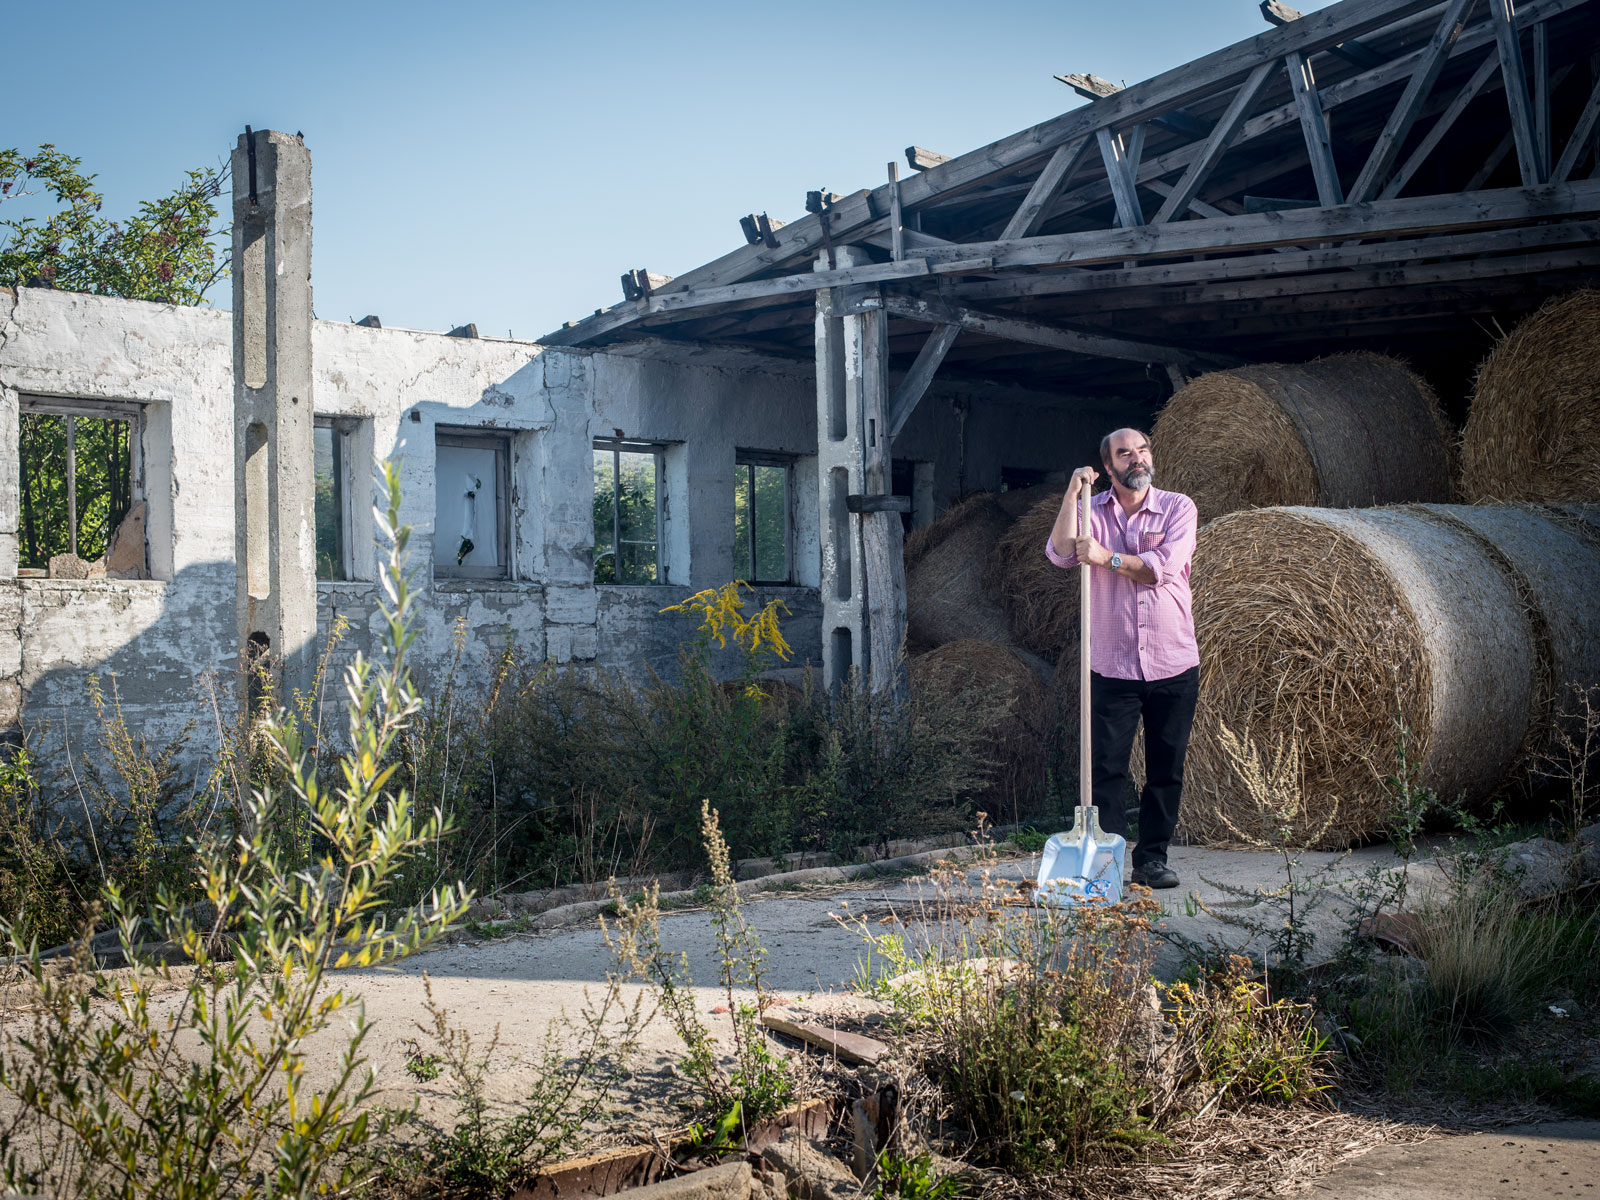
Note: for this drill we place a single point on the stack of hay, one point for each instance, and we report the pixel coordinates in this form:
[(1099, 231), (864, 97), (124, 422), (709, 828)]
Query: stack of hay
[(1345, 431), (1338, 633), (1330, 629), (1533, 433)]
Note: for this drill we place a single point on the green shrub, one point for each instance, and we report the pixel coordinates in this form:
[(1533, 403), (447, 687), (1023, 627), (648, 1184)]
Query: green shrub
[(759, 1083), (1251, 1046), (1030, 1020), (206, 1096)]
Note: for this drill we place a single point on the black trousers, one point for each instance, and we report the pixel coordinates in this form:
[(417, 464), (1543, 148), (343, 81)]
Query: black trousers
[(1167, 707)]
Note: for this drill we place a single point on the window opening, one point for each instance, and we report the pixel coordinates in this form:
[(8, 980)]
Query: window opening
[(762, 534), (331, 460), (628, 504), (78, 477), (472, 510)]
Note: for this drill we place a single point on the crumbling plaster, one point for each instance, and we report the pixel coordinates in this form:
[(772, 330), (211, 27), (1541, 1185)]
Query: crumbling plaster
[(398, 388)]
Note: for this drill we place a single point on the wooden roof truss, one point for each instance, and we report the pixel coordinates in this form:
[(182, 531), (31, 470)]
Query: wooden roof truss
[(1374, 157)]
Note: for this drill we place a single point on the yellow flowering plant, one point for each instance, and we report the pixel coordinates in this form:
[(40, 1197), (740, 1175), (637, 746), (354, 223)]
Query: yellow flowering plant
[(721, 613)]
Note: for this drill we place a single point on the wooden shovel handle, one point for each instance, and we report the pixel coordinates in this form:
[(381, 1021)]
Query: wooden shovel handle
[(1085, 770)]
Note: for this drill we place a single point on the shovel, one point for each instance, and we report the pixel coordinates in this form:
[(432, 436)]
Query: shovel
[(1083, 865)]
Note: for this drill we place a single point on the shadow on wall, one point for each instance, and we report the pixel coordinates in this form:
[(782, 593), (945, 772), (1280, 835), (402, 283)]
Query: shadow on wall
[(153, 644)]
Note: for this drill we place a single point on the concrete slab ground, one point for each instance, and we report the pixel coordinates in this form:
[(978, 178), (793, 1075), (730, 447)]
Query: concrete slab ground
[(519, 984), (1530, 1162)]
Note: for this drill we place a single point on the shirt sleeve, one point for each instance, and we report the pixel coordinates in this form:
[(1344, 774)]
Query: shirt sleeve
[(1173, 555), (1068, 560)]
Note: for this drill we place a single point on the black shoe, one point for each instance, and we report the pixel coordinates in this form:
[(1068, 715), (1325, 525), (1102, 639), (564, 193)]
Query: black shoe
[(1155, 875)]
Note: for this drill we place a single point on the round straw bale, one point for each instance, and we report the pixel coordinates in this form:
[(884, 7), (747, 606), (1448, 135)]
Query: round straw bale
[(1533, 432), (1328, 632), (1040, 598), (945, 595), (1018, 746), (1342, 432)]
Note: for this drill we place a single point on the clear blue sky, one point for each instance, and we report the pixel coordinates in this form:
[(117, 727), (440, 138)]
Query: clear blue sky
[(503, 163)]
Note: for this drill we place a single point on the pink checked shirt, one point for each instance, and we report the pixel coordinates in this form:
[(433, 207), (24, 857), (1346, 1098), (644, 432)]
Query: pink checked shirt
[(1139, 630)]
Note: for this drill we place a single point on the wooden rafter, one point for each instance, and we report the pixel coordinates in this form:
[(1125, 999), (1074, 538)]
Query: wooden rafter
[(1335, 95), (1578, 142), (1056, 175), (1020, 329), (1222, 69), (1314, 128), (1114, 153), (915, 384), (1406, 110), (1468, 92), (1276, 269), (1514, 75), (1221, 137)]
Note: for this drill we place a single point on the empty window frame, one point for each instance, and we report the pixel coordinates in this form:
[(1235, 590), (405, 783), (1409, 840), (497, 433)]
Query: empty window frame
[(334, 516), (79, 473), (628, 512), (472, 506), (762, 530)]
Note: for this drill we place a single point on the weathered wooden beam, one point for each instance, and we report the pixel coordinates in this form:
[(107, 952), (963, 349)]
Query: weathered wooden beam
[(1216, 144), (1223, 208), (1447, 119), (1406, 110), (1314, 128), (1345, 91), (1578, 142), (914, 239), (1214, 271), (1278, 13), (1515, 76), (1541, 97), (1153, 97), (1376, 218), (1057, 174), (1019, 329), (1115, 156), (924, 160), (915, 385), (1393, 277), (1092, 87), (897, 245)]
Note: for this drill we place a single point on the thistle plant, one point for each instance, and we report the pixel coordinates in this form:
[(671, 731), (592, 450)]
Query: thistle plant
[(113, 1092)]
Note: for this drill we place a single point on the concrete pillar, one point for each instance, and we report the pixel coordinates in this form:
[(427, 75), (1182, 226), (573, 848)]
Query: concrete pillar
[(862, 577), (274, 483)]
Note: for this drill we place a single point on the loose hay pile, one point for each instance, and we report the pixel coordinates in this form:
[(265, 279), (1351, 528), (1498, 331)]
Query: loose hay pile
[(1340, 432), (1335, 628), (1018, 748), (1039, 597), (945, 595), (1534, 429)]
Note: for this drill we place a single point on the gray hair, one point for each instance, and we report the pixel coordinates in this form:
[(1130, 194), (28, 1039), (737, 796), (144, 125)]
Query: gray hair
[(1105, 442)]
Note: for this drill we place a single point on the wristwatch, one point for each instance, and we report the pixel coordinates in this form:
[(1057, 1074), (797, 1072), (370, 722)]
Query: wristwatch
[(1116, 562)]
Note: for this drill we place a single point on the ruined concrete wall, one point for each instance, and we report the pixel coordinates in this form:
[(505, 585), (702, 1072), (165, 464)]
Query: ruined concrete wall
[(159, 637), (396, 390)]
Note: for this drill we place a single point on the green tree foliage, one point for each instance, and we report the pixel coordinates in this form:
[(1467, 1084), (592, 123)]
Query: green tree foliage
[(102, 454), (164, 253)]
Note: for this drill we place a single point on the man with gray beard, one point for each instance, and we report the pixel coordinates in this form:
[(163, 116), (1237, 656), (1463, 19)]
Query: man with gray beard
[(1143, 658)]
